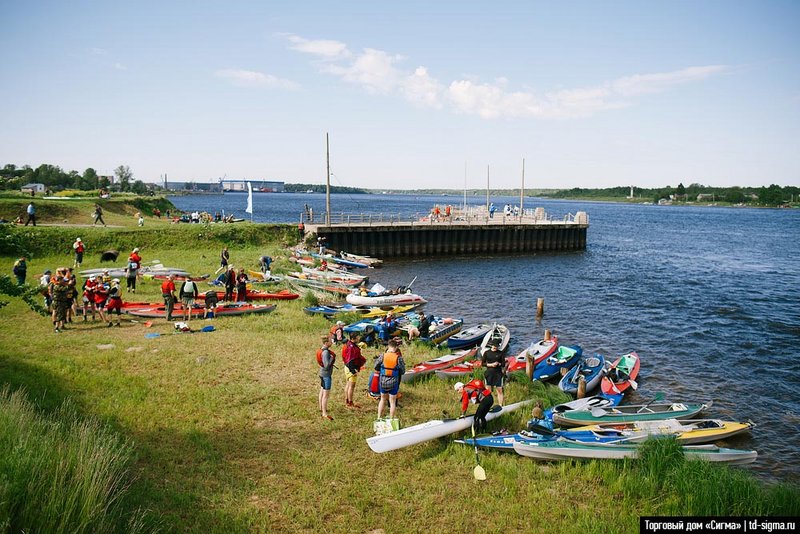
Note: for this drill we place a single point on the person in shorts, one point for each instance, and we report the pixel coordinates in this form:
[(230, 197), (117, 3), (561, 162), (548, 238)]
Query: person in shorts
[(188, 295), (390, 366), (494, 362), (212, 300), (353, 361), (114, 301), (325, 358)]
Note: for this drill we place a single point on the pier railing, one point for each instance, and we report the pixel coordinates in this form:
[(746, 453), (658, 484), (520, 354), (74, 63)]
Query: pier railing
[(456, 217)]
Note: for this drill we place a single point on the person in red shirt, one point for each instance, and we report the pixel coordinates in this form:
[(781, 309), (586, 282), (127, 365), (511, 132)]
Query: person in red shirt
[(168, 292), (353, 361), (100, 298), (476, 392)]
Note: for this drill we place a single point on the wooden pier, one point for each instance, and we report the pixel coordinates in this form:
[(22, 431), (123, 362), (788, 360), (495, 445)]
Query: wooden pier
[(386, 236)]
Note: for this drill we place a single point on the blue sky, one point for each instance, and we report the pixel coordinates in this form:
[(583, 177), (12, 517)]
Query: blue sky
[(591, 94)]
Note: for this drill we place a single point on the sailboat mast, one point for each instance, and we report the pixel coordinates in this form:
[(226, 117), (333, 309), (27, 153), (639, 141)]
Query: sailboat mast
[(328, 183)]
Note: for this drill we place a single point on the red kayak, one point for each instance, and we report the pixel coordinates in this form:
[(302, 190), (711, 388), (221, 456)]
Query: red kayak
[(257, 294), (621, 375), (234, 308), (538, 351), (459, 370), (436, 364)]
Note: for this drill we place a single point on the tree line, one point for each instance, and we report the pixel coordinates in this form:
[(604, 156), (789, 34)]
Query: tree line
[(774, 195), (55, 178)]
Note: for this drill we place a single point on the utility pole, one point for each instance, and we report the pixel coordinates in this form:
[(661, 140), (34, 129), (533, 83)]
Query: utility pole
[(328, 183), (522, 192)]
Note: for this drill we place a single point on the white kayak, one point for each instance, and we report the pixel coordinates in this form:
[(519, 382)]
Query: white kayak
[(432, 429), (400, 299)]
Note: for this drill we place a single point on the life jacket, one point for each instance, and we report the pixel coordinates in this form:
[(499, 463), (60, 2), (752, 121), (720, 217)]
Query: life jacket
[(475, 391), (187, 289), (389, 367), (319, 356), (337, 333), (79, 247)]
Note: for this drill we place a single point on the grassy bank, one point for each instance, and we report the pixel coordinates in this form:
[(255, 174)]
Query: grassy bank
[(227, 435)]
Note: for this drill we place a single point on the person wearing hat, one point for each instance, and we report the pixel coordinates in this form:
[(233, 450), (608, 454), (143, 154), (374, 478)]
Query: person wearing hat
[(88, 296), (494, 362), (132, 269), (475, 392), (101, 295), (106, 278), (114, 301), (336, 333), (79, 248)]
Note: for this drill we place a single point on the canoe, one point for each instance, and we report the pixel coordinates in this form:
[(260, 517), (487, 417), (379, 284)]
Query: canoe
[(400, 299), (587, 403), (621, 375), (372, 262), (499, 335), (331, 309), (340, 261), (537, 350), (233, 308), (687, 432), (629, 413), (591, 368), (506, 441), (468, 338), (563, 358), (436, 428), (564, 449), (441, 329), (459, 370), (318, 285), (178, 278), (442, 362), (332, 280), (257, 294), (333, 273)]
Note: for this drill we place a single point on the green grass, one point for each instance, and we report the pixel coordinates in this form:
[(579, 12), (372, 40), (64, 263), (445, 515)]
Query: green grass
[(227, 435)]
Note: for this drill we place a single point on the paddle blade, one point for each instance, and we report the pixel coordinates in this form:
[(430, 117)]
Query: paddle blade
[(633, 384), (479, 473), (658, 397), (598, 412)]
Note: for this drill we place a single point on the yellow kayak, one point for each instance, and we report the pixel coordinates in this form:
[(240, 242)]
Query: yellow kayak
[(685, 431)]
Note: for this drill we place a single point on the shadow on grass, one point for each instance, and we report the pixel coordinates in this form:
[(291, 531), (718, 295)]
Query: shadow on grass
[(45, 390)]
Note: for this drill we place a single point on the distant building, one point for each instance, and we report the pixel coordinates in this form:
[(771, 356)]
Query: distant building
[(702, 197), (258, 185), (32, 188), (193, 186)]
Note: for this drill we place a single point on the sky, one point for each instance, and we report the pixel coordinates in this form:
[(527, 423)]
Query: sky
[(413, 94)]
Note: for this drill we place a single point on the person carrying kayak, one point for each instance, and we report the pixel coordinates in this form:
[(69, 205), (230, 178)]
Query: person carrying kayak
[(475, 392), (353, 361), (390, 366)]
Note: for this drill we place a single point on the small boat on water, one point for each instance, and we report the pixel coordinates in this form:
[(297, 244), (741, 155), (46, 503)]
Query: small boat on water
[(563, 358), (621, 375), (340, 261), (390, 299), (370, 261), (333, 274), (629, 413), (499, 336), (436, 428), (441, 362), (565, 449), (441, 328), (591, 368), (468, 338)]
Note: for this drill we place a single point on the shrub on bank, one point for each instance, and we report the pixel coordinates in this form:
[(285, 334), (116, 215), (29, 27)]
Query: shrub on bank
[(61, 473)]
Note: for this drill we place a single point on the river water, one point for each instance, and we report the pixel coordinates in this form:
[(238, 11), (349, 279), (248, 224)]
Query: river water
[(708, 297)]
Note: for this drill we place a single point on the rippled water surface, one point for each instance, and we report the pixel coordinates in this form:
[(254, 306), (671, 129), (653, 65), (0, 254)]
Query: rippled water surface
[(707, 296)]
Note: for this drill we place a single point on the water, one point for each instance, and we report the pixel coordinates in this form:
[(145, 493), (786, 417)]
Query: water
[(707, 296)]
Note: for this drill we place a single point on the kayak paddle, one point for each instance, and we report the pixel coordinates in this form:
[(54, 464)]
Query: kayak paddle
[(478, 472)]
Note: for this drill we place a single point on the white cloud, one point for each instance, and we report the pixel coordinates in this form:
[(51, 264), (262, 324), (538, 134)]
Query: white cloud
[(120, 66), (250, 78), (377, 71), (323, 48)]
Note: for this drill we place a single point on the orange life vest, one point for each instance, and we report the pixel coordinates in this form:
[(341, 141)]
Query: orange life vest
[(319, 356), (389, 363)]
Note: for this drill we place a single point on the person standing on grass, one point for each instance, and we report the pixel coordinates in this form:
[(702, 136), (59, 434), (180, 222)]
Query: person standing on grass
[(325, 358), (88, 297), (72, 294), (132, 269), (31, 211), (20, 270), (98, 215), (59, 290), (494, 362), (79, 249), (114, 301), (390, 367), (230, 283), (44, 283), (224, 257), (241, 286), (475, 392), (100, 298), (188, 295), (353, 361), (168, 293)]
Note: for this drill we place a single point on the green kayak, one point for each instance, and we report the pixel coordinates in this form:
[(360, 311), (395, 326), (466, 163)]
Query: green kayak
[(629, 414)]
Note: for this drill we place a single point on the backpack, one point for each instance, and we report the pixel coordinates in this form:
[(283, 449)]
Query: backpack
[(187, 288), (319, 356)]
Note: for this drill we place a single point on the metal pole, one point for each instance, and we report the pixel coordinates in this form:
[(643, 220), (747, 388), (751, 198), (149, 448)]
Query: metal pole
[(465, 187), (522, 192), (328, 183), (487, 189)]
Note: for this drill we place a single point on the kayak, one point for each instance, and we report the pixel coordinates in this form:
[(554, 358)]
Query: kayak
[(178, 277), (441, 329), (318, 285), (442, 362), (468, 338), (340, 261), (587, 403), (257, 294), (564, 449), (563, 358), (436, 428), (334, 274), (332, 280), (506, 441), (372, 262), (590, 368), (621, 375), (399, 299), (459, 370), (233, 308), (538, 351), (686, 432), (629, 413), (498, 335)]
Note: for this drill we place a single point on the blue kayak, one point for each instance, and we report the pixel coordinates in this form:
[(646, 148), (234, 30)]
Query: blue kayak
[(506, 441), (563, 358), (468, 338), (591, 368)]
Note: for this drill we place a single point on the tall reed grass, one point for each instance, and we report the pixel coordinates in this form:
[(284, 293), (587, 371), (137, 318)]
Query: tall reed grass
[(61, 473)]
